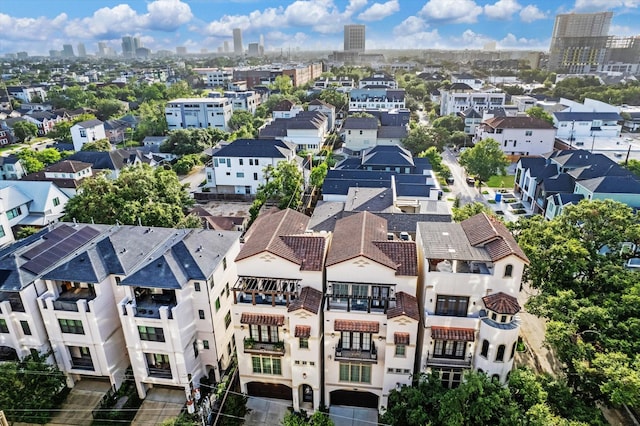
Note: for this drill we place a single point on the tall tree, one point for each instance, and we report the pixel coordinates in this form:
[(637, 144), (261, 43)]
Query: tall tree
[(451, 123), (539, 112), (283, 84), (484, 160), (25, 130), (140, 194), (99, 145), (30, 389)]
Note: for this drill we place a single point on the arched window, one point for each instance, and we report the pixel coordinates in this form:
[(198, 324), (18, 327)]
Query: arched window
[(480, 370), (513, 350), (508, 270), (485, 348), (500, 353), (495, 378)]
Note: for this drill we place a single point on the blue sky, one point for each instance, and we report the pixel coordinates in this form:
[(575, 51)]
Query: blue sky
[(40, 25)]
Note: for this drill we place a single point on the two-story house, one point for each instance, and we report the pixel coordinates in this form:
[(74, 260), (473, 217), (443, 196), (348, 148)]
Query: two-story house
[(518, 136), (471, 276), (360, 133), (87, 131), (238, 167)]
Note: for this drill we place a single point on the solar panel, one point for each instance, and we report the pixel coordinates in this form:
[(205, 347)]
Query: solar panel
[(58, 248), (51, 239)]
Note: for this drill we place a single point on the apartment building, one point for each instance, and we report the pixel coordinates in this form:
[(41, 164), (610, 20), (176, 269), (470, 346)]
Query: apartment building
[(460, 96), (215, 77), (378, 98), (518, 136), (276, 310), (471, 275), (186, 113), (104, 298)]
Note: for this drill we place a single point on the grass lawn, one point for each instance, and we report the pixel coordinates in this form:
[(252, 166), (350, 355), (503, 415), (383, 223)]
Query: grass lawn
[(498, 181)]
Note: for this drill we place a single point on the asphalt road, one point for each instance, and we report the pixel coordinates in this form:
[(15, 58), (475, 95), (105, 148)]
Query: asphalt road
[(468, 194)]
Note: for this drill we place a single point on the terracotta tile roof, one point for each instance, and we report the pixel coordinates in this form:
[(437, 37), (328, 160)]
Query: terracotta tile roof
[(401, 338), (302, 331), (406, 304), (282, 233), (487, 231), (353, 325), (354, 235), (310, 299), (501, 303), (261, 319), (403, 253), (452, 333)]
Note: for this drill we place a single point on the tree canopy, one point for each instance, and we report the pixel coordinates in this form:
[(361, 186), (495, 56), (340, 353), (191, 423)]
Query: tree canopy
[(25, 130), (451, 123), (140, 194), (283, 185), (484, 160), (35, 161), (191, 141), (539, 112), (99, 145), (591, 300), (31, 388), (420, 138)]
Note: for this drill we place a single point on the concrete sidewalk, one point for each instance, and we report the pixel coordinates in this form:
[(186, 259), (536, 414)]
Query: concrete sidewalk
[(83, 398), (159, 405)]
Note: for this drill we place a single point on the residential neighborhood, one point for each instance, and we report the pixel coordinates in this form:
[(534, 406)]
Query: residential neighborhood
[(364, 237)]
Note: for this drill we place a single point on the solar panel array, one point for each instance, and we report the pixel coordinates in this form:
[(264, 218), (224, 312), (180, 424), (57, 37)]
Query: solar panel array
[(56, 247)]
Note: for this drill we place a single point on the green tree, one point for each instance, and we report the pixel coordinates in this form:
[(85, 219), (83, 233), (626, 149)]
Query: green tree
[(318, 174), (335, 98), (468, 210), (434, 158), (591, 301), (26, 231), (235, 408), (179, 89), (99, 145), (451, 123), (634, 166), (283, 185), (282, 84), (239, 119), (31, 388), (25, 130), (420, 138), (61, 132), (539, 112), (187, 141), (48, 156), (152, 122), (108, 108), (186, 163), (155, 197), (484, 160)]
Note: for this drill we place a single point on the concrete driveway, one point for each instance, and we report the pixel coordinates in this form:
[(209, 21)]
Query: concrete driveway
[(266, 411), (353, 416), (83, 398), (159, 405)]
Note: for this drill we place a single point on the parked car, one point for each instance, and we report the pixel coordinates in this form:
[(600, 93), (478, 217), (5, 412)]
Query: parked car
[(471, 181), (450, 180)]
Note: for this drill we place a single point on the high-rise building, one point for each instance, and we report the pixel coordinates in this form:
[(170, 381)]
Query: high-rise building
[(82, 52), (67, 51), (181, 50), (130, 45), (238, 49), (354, 38), (226, 46), (102, 48), (579, 41)]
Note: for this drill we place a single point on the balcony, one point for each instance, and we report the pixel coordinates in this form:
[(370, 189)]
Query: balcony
[(68, 300), (366, 304), (148, 304), (14, 301), (160, 372), (436, 361), (343, 354), (265, 348), (265, 291), (82, 363)]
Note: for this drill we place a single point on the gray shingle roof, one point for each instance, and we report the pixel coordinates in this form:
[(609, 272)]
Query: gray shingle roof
[(612, 185), (257, 148)]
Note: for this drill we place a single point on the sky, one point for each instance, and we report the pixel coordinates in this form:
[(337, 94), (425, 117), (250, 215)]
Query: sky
[(37, 26)]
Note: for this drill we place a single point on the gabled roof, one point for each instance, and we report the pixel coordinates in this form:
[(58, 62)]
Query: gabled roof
[(89, 123), (562, 182), (470, 113), (38, 192), (360, 235), (501, 303), (486, 231), (320, 102), (360, 123), (310, 300), (387, 155), (406, 304), (518, 123), (400, 132), (67, 166), (282, 233), (460, 86), (284, 105), (256, 148), (612, 185)]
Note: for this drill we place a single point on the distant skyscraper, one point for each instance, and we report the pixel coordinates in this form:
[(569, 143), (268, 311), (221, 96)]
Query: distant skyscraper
[(578, 41), (226, 46), (354, 38), (102, 48), (237, 41), (82, 52), (130, 45), (67, 51), (253, 49), (181, 50)]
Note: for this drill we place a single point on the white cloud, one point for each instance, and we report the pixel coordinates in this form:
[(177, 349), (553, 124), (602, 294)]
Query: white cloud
[(379, 11), (465, 11), (598, 5), (420, 40), (531, 13), (623, 31), (354, 6), (510, 41), (411, 25), (31, 29), (166, 15), (502, 9)]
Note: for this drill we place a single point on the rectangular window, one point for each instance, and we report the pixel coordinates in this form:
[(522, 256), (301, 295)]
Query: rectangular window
[(263, 333), (251, 161), (25, 328), (452, 305), (255, 176), (224, 263), (240, 161), (266, 365), (227, 319), (226, 289), (152, 334), (304, 343), (401, 350), (201, 313), (2, 233), (528, 132), (205, 344), (196, 352), (71, 326), (3, 326), (359, 373), (15, 212), (217, 304), (256, 162), (196, 286), (449, 349), (56, 202), (239, 174)]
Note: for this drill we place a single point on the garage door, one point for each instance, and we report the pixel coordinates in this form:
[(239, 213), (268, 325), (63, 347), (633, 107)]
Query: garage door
[(354, 399), (269, 390)]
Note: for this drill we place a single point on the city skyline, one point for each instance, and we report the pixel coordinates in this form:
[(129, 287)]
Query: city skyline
[(302, 24)]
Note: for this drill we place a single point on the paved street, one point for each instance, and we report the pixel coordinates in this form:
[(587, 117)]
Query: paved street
[(194, 179)]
